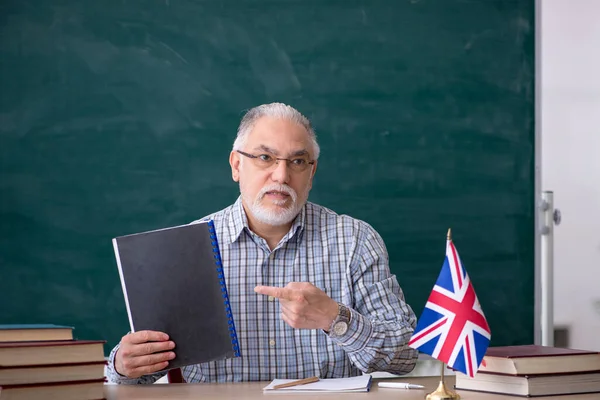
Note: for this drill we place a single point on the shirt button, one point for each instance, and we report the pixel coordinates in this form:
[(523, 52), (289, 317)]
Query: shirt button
[(272, 343), (271, 298)]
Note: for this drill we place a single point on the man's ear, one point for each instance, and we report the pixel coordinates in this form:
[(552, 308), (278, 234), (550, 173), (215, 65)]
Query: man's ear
[(234, 161)]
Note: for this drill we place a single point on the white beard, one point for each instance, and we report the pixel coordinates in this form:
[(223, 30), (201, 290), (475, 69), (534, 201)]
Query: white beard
[(275, 217)]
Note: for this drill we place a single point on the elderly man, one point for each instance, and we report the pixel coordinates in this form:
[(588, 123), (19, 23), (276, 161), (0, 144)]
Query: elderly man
[(311, 291)]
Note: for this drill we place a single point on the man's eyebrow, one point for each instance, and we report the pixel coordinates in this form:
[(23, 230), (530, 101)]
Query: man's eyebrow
[(267, 149), (297, 153)]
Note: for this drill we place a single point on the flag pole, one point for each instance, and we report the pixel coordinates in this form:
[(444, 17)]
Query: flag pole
[(442, 392)]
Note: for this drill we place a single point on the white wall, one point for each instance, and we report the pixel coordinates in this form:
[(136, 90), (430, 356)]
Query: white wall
[(570, 151)]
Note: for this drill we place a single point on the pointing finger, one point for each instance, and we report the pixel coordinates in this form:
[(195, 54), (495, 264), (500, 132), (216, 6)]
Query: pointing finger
[(278, 292)]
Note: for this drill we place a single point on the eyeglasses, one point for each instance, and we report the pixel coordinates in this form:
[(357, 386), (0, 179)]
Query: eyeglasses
[(266, 161)]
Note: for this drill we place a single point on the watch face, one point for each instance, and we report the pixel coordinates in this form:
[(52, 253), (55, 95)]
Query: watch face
[(340, 328)]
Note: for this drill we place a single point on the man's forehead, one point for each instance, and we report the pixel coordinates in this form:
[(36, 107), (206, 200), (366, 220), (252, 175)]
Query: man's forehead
[(279, 136)]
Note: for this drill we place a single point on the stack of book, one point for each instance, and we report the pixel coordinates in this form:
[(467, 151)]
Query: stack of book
[(45, 362), (533, 370)]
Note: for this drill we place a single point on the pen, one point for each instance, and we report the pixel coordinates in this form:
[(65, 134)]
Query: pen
[(298, 382), (400, 385)]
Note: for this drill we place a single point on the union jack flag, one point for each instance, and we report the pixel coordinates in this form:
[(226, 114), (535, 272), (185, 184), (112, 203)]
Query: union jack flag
[(452, 327)]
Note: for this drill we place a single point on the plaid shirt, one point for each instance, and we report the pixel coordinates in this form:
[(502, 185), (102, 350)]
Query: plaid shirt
[(344, 257)]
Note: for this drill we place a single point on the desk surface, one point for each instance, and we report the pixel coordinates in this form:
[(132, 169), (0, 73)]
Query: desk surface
[(253, 390)]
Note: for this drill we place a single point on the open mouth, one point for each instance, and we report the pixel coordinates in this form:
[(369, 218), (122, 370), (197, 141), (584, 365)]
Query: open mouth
[(275, 194)]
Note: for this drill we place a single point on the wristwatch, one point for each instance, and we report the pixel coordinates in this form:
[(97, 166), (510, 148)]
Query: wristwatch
[(339, 326)]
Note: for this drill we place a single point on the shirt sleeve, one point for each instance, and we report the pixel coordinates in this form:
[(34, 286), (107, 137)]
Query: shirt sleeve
[(381, 321), (114, 377)]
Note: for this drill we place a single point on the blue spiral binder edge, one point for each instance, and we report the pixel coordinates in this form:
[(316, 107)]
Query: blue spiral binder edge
[(217, 255)]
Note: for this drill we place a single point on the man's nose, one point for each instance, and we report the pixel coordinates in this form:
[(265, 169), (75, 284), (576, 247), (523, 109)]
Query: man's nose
[(281, 172)]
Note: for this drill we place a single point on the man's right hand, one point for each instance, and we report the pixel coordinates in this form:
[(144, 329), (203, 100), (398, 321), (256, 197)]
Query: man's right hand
[(142, 353)]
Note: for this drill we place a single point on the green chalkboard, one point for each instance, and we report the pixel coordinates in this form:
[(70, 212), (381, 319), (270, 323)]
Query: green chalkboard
[(118, 117)]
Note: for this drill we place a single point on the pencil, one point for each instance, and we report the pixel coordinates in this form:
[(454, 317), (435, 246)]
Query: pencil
[(298, 382)]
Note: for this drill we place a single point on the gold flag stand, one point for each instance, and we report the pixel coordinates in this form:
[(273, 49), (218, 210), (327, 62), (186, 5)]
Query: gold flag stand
[(442, 392)]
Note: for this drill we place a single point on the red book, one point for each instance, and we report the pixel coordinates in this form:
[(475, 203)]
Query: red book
[(534, 359), (27, 374)]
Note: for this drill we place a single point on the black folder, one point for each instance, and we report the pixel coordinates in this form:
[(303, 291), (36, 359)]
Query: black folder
[(173, 282)]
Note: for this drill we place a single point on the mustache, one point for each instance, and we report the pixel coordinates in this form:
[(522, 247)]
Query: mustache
[(278, 187)]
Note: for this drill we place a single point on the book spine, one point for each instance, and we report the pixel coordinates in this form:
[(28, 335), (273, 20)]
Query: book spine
[(224, 294)]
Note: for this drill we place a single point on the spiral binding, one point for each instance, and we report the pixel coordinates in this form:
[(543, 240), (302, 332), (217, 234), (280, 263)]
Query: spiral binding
[(224, 294)]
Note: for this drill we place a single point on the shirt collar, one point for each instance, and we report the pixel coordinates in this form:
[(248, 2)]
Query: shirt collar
[(298, 225), (238, 221)]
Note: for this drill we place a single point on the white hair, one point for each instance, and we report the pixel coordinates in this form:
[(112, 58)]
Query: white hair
[(274, 110)]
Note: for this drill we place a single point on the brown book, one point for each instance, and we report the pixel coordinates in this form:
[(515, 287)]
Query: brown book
[(534, 359), (28, 332), (50, 352), (92, 389), (27, 374), (531, 385)]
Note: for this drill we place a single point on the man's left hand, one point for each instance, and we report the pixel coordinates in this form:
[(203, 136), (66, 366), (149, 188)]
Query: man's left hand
[(303, 305)]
